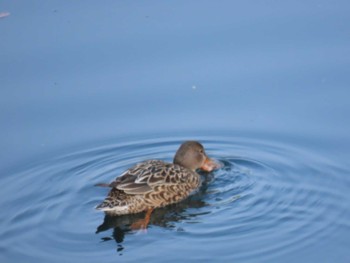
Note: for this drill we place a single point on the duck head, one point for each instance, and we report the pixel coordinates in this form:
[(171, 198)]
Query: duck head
[(191, 155)]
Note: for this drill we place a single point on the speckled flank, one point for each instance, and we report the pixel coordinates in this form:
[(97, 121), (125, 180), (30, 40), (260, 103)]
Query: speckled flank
[(149, 184)]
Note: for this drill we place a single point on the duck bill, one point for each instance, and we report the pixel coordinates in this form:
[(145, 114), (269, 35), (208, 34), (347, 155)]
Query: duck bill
[(209, 165)]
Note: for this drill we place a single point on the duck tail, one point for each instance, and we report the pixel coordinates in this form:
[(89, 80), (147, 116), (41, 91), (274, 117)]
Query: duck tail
[(106, 207)]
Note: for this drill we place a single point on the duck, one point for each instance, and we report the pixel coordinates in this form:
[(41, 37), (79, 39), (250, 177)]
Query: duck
[(154, 183)]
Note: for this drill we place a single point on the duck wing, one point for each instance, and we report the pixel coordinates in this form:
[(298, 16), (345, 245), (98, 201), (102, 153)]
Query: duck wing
[(143, 177)]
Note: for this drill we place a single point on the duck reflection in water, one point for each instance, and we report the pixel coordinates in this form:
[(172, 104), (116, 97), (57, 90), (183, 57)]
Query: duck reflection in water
[(155, 184), (165, 217)]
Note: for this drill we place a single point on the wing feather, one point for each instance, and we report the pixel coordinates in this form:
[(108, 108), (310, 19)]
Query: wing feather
[(143, 177)]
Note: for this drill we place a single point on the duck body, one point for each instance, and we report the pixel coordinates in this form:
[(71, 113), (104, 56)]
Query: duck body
[(149, 185), (155, 183)]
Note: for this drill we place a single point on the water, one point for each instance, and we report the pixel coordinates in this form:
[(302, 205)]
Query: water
[(272, 200), (88, 90)]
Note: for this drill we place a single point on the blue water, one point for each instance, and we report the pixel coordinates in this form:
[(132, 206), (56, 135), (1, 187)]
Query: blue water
[(88, 89)]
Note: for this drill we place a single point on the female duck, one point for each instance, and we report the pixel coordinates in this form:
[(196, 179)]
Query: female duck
[(155, 183)]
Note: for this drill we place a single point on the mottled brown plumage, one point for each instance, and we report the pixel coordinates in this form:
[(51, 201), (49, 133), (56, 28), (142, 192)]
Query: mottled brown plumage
[(155, 183)]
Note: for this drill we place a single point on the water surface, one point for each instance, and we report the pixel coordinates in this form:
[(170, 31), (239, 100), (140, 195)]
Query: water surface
[(88, 90)]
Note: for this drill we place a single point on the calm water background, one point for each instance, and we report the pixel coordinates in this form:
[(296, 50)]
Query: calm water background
[(88, 89)]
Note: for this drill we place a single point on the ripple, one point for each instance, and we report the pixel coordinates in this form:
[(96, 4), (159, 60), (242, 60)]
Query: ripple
[(268, 199)]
